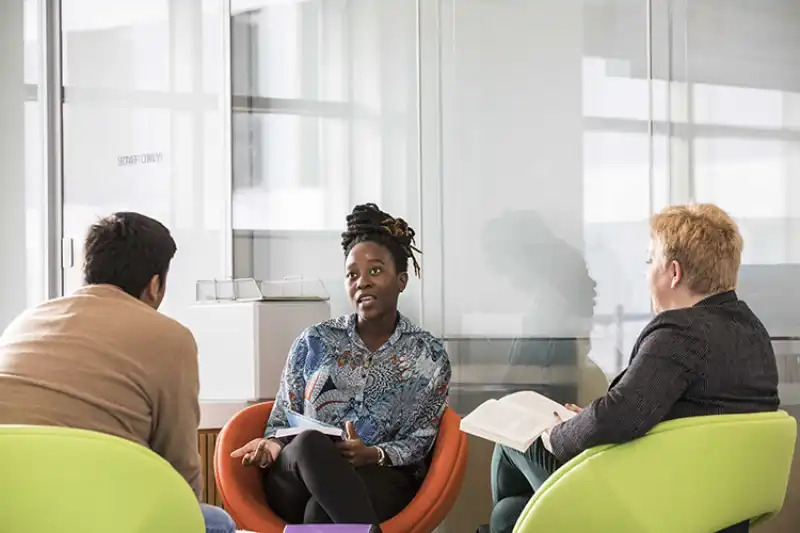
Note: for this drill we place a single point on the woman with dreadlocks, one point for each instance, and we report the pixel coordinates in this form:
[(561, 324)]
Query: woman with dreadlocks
[(374, 374)]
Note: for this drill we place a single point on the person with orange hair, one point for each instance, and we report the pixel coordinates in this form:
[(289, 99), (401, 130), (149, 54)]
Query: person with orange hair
[(704, 353)]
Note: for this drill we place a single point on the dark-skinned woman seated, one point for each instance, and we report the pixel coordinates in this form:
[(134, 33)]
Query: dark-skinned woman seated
[(373, 373)]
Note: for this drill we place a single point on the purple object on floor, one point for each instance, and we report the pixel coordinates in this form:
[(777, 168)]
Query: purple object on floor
[(329, 528)]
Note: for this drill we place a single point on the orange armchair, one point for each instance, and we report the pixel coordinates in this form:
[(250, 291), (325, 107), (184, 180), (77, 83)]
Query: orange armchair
[(244, 498)]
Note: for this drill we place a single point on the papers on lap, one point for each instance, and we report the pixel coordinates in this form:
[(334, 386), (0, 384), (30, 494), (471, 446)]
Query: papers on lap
[(330, 528), (516, 420), (298, 423)]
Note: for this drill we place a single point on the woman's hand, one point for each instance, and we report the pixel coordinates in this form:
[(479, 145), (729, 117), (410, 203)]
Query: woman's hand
[(354, 450), (260, 452), (570, 407), (574, 408)]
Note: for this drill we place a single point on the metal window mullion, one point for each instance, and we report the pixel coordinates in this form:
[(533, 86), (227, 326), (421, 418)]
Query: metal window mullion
[(227, 110), (52, 101)]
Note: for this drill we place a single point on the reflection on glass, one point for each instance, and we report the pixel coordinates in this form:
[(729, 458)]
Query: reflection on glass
[(745, 142), (546, 188), (742, 106), (324, 110), (324, 117), (297, 179), (747, 176), (296, 49), (143, 128)]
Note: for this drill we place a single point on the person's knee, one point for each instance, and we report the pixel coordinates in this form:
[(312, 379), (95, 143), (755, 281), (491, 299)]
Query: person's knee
[(507, 511), (312, 443), (500, 455), (315, 514), (217, 520)]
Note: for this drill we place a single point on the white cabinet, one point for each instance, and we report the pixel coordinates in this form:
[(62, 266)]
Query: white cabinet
[(243, 346)]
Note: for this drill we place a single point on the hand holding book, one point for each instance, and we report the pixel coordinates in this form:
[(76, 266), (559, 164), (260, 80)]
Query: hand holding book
[(545, 436), (517, 419), (298, 423), (570, 407), (354, 450)]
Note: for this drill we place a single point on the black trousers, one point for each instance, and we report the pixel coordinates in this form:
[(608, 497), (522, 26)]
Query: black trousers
[(311, 483)]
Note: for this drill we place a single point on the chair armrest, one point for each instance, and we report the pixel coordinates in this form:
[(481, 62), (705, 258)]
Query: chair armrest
[(241, 487), (441, 485)]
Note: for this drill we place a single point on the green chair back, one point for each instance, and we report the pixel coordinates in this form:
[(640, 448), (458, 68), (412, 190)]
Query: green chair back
[(693, 475), (55, 479)]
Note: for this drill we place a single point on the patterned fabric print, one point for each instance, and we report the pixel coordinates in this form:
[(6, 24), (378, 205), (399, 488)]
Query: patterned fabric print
[(395, 396)]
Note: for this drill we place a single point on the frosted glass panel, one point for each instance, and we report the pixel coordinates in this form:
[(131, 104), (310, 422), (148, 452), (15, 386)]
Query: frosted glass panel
[(294, 174), (325, 108), (144, 129), (325, 117), (746, 146), (298, 49), (546, 189), (130, 40)]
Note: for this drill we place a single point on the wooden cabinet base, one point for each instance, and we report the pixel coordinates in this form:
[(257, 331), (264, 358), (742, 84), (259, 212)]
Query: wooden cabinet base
[(206, 443)]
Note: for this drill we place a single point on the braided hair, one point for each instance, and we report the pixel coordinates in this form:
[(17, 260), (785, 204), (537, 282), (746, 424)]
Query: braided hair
[(367, 223)]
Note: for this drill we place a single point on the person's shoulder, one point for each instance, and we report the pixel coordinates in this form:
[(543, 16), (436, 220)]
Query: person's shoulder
[(48, 310), (674, 319), (333, 326), (423, 339), (325, 333), (687, 327), (177, 331), (166, 332)]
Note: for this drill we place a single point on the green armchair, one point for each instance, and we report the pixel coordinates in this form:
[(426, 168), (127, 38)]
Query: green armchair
[(75, 481), (693, 475)]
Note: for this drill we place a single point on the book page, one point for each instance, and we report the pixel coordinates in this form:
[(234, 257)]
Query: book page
[(534, 402), (515, 420), (299, 423), (508, 424), (299, 420), (334, 433)]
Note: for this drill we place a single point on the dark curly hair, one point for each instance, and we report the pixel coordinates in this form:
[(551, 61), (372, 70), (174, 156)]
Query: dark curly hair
[(367, 223)]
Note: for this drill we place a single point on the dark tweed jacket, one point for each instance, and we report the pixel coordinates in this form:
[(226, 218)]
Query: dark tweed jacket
[(711, 359)]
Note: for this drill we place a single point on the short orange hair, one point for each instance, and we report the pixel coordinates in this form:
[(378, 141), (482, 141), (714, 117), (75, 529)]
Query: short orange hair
[(705, 241)]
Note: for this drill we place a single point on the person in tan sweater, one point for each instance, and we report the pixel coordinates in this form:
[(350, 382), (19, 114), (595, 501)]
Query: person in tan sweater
[(104, 359)]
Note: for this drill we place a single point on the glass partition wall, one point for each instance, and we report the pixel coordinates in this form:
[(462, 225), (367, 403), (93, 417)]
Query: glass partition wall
[(144, 118), (528, 161), (325, 116), (528, 142)]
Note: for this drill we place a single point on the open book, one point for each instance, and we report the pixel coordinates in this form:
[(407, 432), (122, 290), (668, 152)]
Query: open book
[(516, 420), (299, 423)]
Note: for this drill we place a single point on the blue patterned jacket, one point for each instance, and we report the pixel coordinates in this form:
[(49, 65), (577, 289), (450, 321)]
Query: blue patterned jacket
[(395, 396)]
